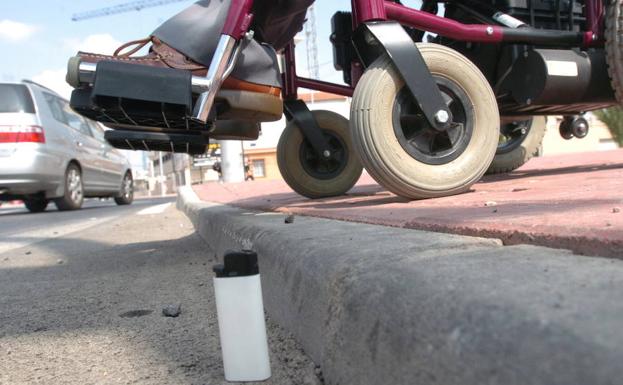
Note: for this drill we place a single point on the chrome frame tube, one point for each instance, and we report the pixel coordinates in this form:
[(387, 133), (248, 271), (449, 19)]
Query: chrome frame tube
[(215, 77)]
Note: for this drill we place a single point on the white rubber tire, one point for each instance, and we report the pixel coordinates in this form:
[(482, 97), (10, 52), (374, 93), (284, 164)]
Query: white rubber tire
[(295, 175), (614, 46), (379, 149), (509, 161)]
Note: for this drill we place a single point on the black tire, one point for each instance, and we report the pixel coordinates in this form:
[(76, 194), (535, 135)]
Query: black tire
[(514, 152), (73, 196), (36, 205), (614, 46), (126, 193), (314, 178), (398, 147)]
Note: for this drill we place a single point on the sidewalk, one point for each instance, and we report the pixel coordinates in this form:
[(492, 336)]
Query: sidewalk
[(572, 201)]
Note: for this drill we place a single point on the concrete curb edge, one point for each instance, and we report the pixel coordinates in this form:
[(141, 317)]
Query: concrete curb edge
[(381, 305)]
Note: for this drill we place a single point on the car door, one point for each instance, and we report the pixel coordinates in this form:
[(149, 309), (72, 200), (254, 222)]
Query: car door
[(87, 148), (112, 166)]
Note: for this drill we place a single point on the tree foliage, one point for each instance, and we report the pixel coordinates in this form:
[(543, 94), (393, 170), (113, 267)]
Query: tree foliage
[(613, 118)]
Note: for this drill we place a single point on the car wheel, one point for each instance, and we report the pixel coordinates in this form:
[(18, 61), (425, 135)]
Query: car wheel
[(73, 197), (126, 195), (36, 205)]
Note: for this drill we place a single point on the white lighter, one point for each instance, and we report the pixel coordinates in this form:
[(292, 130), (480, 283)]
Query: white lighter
[(241, 322)]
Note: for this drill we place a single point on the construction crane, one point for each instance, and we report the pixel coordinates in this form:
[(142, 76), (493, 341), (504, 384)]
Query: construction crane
[(122, 8), (311, 44)]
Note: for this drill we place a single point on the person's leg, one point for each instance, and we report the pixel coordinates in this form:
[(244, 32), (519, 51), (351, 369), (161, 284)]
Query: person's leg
[(188, 40), (196, 30), (276, 22)]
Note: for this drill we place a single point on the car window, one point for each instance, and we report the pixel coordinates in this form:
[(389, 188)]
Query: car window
[(55, 107), (15, 98), (74, 120), (97, 130)]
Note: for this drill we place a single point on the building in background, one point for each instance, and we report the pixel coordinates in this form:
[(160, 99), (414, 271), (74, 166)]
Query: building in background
[(167, 171)]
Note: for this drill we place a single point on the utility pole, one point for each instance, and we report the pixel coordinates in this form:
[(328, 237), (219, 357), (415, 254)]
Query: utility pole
[(187, 173), (152, 176), (232, 165), (163, 186), (173, 166)]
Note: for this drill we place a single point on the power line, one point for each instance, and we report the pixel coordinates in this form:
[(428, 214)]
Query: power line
[(122, 8)]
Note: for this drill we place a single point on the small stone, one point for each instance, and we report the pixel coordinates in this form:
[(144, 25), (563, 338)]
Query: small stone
[(60, 262), (6, 259), (490, 203), (289, 219), (28, 252), (494, 211), (172, 310), (616, 210)]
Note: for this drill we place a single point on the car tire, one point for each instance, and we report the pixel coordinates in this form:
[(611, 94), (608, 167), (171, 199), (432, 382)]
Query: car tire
[(126, 193), (73, 196), (36, 205)]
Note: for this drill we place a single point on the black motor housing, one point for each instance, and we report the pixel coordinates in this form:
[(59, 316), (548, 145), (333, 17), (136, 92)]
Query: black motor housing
[(551, 80)]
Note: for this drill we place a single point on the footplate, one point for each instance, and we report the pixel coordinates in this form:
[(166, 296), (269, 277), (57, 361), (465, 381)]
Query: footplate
[(138, 97), (189, 143)]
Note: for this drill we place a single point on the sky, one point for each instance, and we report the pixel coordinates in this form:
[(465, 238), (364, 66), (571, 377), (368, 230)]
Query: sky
[(38, 36)]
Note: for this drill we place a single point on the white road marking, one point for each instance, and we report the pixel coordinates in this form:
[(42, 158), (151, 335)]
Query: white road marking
[(15, 241), (157, 209), (10, 211)]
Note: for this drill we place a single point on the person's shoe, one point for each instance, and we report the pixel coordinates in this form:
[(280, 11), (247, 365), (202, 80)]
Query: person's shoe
[(248, 101)]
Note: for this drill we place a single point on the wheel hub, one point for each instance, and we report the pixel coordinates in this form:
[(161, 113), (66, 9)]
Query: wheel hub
[(127, 187), (418, 138), (512, 135), (331, 164), (75, 185)]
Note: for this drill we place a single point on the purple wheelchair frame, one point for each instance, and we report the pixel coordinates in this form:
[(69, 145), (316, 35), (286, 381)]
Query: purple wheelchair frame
[(240, 16)]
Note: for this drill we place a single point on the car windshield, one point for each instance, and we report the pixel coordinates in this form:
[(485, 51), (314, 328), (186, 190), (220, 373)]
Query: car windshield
[(15, 98)]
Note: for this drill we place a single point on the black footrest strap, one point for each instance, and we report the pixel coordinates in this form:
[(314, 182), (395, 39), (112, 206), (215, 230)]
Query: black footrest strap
[(129, 95), (189, 143)]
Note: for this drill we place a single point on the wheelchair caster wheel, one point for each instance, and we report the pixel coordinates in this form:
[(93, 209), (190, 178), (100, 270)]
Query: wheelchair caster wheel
[(398, 147), (565, 129), (573, 126), (309, 175), (579, 127)]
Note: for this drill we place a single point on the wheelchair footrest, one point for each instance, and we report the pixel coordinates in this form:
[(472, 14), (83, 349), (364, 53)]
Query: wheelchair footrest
[(193, 143), (130, 95)]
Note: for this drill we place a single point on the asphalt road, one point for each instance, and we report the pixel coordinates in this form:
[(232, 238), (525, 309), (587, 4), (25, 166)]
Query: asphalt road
[(82, 292)]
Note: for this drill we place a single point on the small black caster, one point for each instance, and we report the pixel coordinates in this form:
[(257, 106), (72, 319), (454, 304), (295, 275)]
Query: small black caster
[(573, 126)]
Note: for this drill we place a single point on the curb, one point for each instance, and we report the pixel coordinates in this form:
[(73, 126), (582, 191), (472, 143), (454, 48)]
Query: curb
[(380, 305)]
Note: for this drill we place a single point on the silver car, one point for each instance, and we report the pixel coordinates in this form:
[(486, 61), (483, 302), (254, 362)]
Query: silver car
[(49, 153)]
